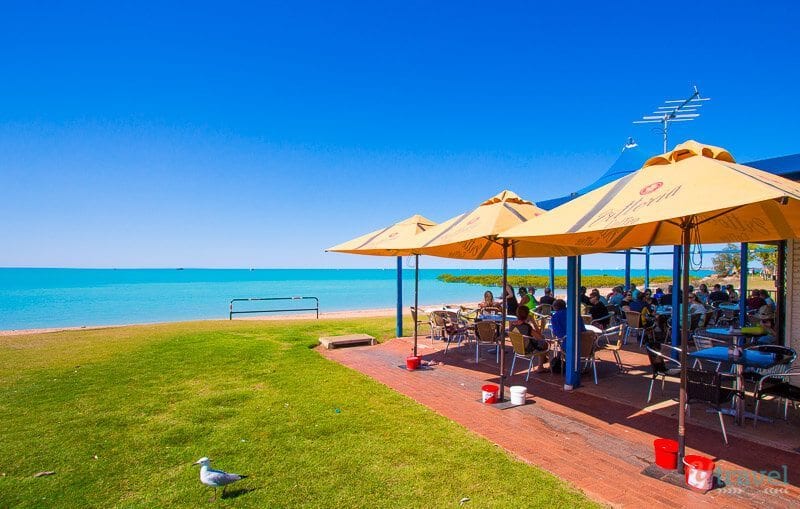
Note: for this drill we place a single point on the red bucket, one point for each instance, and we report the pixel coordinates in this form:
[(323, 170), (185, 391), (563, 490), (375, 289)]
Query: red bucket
[(412, 362), (699, 472), (666, 453), (489, 393)]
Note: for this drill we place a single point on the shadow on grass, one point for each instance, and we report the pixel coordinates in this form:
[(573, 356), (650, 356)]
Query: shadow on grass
[(238, 492)]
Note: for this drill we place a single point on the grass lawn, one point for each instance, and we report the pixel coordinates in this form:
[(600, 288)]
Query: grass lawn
[(120, 414)]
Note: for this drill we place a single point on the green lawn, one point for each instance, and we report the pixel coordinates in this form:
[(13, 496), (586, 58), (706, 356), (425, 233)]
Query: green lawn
[(121, 413)]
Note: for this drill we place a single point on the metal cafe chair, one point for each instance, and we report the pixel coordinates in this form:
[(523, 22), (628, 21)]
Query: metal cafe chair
[(782, 386), (518, 342), (663, 366), (706, 387)]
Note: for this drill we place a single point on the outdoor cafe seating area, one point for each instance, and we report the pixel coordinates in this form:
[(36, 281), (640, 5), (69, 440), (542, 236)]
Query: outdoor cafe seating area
[(729, 380)]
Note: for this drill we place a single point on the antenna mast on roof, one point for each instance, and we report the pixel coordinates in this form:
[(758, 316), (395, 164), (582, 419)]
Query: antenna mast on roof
[(674, 110)]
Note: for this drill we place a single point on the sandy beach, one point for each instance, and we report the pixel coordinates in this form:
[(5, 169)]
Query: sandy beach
[(331, 315)]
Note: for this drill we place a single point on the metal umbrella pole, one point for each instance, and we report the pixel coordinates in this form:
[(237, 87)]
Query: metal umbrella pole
[(686, 228), (416, 301), (502, 343)]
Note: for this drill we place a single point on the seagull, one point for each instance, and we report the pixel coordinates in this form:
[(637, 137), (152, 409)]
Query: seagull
[(215, 478)]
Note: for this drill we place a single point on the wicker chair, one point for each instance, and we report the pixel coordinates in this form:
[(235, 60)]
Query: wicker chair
[(634, 324), (518, 342), (456, 328), (663, 366), (706, 387), (587, 350), (784, 386), (486, 332), (438, 324), (611, 339)]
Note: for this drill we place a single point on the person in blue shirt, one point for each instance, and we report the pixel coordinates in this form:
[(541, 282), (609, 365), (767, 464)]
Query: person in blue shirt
[(615, 299), (558, 322), (634, 291)]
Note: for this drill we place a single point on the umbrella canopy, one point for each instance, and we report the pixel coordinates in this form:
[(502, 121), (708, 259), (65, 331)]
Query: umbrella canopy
[(473, 235), (696, 193), (724, 201), (386, 241)]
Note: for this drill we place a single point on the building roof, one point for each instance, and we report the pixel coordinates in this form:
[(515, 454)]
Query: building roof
[(633, 157)]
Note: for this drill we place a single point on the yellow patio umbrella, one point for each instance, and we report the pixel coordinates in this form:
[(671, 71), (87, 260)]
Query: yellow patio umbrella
[(389, 241), (473, 236), (696, 187), (693, 194)]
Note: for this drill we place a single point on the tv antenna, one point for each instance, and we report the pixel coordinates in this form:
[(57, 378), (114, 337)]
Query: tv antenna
[(674, 110)]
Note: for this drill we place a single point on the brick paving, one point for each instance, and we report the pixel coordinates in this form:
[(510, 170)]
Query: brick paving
[(599, 445)]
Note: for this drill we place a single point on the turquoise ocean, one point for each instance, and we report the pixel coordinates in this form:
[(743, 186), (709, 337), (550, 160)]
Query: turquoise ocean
[(41, 298)]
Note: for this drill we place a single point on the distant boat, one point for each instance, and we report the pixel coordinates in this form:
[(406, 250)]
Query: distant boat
[(179, 268)]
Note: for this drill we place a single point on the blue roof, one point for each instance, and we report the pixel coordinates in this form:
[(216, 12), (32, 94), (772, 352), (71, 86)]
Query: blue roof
[(784, 166), (632, 158)]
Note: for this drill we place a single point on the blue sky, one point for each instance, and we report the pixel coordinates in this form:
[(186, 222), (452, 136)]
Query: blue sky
[(258, 134)]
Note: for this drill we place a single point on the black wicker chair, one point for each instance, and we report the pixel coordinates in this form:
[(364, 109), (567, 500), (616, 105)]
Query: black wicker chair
[(663, 366), (784, 386), (706, 387)]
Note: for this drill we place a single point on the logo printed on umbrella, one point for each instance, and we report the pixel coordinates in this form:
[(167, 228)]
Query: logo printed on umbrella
[(393, 235), (650, 188), (473, 220)]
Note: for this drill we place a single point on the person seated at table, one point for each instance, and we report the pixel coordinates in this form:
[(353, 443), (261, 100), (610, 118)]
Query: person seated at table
[(488, 301), (634, 291), (598, 310), (532, 293), (616, 296), (558, 322), (547, 298), (755, 301), (767, 299), (703, 293), (583, 297), (511, 300), (717, 295), (649, 302), (625, 305), (695, 306), (603, 300), (525, 299), (666, 300), (733, 295), (642, 307), (658, 296), (767, 317), (534, 340)]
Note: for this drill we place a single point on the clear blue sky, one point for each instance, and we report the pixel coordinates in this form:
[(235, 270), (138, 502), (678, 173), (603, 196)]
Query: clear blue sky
[(258, 134)]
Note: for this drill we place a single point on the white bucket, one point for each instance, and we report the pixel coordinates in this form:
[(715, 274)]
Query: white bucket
[(518, 393)]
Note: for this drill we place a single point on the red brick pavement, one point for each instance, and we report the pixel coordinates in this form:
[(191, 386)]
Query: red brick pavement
[(598, 445)]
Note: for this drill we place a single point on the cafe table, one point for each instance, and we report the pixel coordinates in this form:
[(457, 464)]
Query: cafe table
[(663, 310), (734, 335), (745, 359)]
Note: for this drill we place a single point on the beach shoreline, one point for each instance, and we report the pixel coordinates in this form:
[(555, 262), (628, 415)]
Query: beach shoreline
[(331, 315)]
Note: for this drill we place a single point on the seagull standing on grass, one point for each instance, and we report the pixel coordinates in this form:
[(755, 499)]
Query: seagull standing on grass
[(215, 478)]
